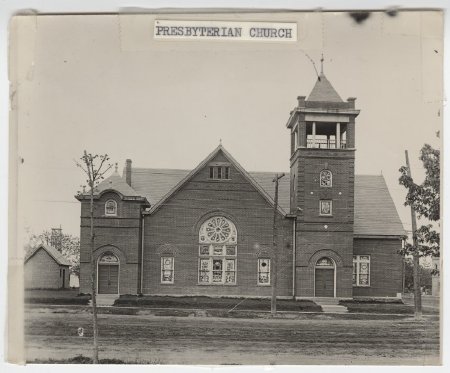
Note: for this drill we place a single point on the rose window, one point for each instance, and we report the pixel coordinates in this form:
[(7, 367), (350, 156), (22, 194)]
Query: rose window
[(218, 230)]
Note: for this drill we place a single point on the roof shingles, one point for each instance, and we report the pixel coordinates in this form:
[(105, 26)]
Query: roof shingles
[(375, 212)]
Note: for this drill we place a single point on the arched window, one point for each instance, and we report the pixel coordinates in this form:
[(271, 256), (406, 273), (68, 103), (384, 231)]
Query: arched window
[(326, 179), (108, 258), (111, 208), (324, 262), (217, 252)]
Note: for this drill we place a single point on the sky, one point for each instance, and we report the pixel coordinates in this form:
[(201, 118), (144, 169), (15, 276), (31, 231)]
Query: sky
[(103, 84)]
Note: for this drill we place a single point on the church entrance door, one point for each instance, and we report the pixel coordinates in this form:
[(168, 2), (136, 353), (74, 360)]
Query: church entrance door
[(108, 274), (324, 278)]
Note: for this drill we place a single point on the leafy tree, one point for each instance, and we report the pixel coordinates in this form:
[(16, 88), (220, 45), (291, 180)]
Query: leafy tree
[(69, 246), (425, 276), (94, 167), (425, 200)]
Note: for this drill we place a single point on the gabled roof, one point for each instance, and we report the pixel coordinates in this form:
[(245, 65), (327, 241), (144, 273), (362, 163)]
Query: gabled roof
[(180, 182), (375, 212), (323, 91), (55, 254)]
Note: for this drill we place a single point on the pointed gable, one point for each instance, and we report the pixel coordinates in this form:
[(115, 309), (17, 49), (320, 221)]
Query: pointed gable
[(323, 91), (58, 257), (218, 153)]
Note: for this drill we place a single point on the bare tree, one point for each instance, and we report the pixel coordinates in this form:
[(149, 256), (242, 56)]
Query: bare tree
[(94, 167)]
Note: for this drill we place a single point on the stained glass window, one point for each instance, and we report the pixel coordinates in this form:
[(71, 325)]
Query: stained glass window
[(324, 262), (108, 258), (361, 270), (217, 250), (167, 267), (263, 271), (111, 207), (326, 179), (326, 207)]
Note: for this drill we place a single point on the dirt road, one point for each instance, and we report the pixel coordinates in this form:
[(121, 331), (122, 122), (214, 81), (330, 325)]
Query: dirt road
[(186, 340)]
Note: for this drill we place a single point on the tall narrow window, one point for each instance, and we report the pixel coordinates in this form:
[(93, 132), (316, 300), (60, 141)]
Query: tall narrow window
[(211, 172), (263, 271), (167, 266), (326, 179), (217, 252), (111, 208), (361, 270), (227, 172)]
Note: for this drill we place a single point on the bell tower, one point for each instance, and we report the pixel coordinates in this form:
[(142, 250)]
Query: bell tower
[(322, 165)]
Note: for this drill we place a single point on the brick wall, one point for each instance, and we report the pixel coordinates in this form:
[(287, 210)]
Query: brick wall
[(174, 229), (42, 272), (319, 236), (386, 267), (117, 234)]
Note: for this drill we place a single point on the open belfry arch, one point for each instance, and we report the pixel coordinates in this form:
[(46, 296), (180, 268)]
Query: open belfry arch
[(208, 230)]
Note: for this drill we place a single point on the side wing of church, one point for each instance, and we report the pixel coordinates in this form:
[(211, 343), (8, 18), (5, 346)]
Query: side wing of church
[(208, 231)]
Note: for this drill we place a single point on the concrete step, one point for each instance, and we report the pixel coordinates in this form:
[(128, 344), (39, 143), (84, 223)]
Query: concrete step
[(333, 308), (326, 301), (105, 299)]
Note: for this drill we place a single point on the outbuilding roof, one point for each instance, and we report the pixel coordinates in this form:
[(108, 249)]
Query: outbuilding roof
[(55, 254), (375, 212)]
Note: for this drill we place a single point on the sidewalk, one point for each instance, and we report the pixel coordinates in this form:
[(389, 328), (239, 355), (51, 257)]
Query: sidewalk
[(217, 313)]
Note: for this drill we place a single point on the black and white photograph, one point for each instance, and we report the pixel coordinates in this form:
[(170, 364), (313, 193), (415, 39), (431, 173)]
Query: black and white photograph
[(226, 188)]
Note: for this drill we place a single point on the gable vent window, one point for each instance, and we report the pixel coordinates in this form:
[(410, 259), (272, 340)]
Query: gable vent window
[(219, 172)]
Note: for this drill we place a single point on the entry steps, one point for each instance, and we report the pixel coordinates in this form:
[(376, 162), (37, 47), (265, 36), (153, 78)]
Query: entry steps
[(105, 299), (330, 305)]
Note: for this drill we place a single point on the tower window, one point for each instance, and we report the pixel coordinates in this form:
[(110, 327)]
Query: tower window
[(326, 179), (326, 208), (219, 172), (111, 208)]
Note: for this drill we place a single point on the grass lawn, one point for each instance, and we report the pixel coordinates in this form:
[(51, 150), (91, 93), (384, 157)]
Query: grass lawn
[(215, 303), (373, 306), (57, 296)]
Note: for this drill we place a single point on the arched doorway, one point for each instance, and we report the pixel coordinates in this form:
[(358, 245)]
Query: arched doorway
[(324, 278), (108, 274)]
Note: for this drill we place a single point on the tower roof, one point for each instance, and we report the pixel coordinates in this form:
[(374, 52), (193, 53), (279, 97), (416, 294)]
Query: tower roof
[(323, 91)]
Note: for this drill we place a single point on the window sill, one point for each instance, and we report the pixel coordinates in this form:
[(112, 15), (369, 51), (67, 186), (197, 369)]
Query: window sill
[(167, 283), (203, 284), (361, 286), (264, 285)]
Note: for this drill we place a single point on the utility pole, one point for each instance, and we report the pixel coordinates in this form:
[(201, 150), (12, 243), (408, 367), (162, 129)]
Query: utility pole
[(416, 264), (273, 304)]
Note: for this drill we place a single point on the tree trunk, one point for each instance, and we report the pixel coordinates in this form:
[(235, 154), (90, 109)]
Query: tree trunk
[(416, 263), (93, 280)]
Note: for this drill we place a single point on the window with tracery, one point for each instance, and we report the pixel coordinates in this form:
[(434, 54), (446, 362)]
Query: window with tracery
[(263, 271), (167, 267), (325, 208), (111, 207), (326, 179), (361, 270), (217, 252)]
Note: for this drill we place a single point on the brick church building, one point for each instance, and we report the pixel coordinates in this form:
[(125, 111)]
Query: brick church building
[(208, 231)]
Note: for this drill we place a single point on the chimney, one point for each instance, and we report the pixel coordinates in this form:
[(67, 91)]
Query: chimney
[(351, 102), (301, 101), (128, 172)]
